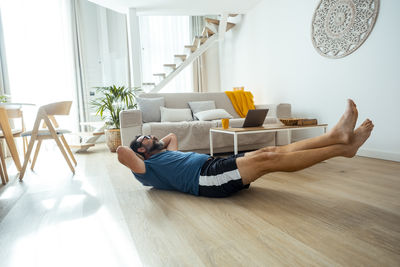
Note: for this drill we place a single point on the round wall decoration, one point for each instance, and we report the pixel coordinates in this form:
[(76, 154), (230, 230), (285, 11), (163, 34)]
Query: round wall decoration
[(339, 27)]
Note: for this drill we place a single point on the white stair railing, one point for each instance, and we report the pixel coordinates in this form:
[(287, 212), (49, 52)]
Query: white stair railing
[(189, 60)]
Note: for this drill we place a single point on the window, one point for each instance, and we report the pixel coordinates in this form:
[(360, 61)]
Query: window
[(161, 38), (39, 53)]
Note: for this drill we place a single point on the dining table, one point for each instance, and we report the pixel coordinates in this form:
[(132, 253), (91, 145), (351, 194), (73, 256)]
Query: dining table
[(6, 128)]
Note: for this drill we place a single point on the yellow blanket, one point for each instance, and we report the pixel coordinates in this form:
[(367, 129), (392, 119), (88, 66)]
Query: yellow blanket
[(241, 100)]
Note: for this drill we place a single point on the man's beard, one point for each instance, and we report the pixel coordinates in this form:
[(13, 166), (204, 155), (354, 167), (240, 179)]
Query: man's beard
[(157, 145)]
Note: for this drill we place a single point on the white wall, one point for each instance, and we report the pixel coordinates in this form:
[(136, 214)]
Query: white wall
[(211, 67), (271, 53)]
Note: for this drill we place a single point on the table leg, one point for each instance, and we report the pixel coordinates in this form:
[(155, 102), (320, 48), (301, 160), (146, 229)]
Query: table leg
[(211, 144), (325, 130), (5, 127), (235, 143)]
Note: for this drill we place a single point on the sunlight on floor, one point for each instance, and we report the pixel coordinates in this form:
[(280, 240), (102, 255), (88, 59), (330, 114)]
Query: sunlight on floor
[(8, 193), (65, 220)]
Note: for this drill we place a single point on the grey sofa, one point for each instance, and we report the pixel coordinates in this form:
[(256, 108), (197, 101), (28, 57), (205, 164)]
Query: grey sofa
[(194, 135)]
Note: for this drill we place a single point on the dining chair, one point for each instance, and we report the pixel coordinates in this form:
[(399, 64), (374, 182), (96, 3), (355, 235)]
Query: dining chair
[(46, 114), (12, 114)]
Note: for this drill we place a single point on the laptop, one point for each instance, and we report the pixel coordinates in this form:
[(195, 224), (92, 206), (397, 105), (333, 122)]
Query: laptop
[(255, 118)]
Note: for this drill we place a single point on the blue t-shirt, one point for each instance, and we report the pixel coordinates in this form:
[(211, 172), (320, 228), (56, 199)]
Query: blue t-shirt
[(173, 170)]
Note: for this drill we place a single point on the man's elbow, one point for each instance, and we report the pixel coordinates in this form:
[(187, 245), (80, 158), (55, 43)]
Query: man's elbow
[(122, 151)]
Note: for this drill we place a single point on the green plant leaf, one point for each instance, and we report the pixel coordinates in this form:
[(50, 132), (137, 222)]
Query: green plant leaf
[(114, 99)]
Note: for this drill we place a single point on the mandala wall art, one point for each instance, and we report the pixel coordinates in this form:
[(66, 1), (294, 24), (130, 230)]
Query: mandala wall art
[(339, 27)]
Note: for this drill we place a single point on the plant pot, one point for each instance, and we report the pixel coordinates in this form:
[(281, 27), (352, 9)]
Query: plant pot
[(113, 138)]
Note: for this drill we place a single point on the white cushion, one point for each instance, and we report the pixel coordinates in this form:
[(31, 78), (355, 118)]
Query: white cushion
[(213, 114), (175, 114), (150, 108), (197, 106)]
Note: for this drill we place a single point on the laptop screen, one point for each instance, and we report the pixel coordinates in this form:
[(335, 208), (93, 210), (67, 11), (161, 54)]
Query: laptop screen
[(255, 118)]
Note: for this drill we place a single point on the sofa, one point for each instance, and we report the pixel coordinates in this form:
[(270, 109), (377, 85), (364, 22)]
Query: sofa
[(194, 135)]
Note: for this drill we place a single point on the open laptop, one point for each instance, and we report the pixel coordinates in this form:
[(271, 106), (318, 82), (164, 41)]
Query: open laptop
[(255, 118)]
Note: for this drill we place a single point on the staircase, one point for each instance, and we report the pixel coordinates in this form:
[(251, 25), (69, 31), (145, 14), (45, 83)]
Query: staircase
[(200, 44)]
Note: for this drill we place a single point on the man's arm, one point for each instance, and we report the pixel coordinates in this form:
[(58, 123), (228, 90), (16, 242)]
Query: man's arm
[(170, 142), (129, 158)]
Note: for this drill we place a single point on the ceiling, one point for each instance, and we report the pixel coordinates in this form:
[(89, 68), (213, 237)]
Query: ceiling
[(180, 7)]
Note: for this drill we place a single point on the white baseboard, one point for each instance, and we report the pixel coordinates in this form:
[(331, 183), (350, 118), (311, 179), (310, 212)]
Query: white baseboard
[(379, 154)]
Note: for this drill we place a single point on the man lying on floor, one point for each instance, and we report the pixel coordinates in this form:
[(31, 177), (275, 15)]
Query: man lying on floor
[(158, 163)]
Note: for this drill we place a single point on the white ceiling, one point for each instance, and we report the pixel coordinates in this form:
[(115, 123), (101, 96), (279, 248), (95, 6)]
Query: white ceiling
[(179, 7)]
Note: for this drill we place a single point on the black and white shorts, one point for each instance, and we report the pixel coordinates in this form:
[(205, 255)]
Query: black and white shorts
[(220, 177)]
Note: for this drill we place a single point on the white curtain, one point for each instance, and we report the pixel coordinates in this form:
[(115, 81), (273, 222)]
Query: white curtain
[(199, 79), (101, 52), (161, 38), (38, 46), (4, 88)]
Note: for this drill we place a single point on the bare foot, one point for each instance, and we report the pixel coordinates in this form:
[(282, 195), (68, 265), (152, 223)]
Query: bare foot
[(343, 131), (361, 134)]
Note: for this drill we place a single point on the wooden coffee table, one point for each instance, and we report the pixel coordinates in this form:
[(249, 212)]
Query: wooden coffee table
[(263, 129)]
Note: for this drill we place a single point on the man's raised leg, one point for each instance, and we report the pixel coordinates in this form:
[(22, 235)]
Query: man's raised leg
[(341, 133), (253, 167)]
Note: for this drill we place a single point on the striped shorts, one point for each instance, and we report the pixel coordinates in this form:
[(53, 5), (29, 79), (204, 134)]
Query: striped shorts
[(220, 177)]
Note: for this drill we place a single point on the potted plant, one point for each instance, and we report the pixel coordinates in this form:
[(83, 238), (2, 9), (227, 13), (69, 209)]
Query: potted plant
[(4, 98), (112, 101)]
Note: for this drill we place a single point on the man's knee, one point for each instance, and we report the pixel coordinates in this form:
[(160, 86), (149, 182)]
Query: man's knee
[(253, 167), (269, 149), (267, 156)]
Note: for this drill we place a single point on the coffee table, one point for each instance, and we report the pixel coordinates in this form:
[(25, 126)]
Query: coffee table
[(263, 129)]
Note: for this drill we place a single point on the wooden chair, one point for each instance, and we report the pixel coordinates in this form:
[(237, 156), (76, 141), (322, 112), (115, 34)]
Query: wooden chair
[(47, 113), (3, 178), (12, 114)]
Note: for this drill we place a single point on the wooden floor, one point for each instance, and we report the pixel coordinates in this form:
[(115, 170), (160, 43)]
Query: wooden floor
[(342, 212)]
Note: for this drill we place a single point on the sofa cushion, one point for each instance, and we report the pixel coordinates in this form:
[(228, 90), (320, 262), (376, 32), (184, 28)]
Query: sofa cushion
[(175, 114), (180, 100), (150, 108), (213, 114), (197, 106), (191, 134)]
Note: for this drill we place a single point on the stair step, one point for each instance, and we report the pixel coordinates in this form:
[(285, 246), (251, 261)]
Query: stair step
[(211, 27), (88, 134), (201, 39), (160, 74), (170, 66), (81, 146), (191, 47), (153, 84), (207, 31), (197, 40), (182, 57), (229, 25), (214, 21)]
